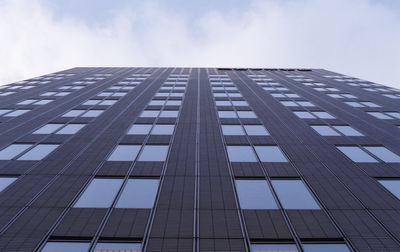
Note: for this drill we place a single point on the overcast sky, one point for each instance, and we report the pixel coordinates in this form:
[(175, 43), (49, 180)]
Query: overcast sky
[(360, 38)]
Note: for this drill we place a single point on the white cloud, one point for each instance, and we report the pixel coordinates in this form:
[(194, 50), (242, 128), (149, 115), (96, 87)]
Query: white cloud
[(358, 37)]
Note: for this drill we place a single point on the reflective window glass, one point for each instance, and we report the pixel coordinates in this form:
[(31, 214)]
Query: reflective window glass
[(232, 130), (223, 103), (138, 193), (118, 246), (356, 154), (100, 193), (324, 130), (323, 115), (13, 150), (70, 129), (66, 246), (379, 115), (48, 128), (246, 114), (124, 153), (92, 113), (237, 153), (5, 181), (17, 112), (139, 129), (273, 247), (154, 153), (256, 130), (74, 113), (270, 154), (169, 113), (39, 152), (255, 194), (348, 131), (384, 154), (91, 102), (163, 129), (304, 115), (318, 247), (293, 194), (150, 113), (227, 114), (392, 185)]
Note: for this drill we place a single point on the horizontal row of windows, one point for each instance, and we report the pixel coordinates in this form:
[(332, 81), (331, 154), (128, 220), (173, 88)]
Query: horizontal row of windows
[(13, 113), (27, 151), (155, 153), (385, 115)]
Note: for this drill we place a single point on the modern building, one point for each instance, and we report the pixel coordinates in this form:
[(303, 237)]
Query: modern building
[(199, 159)]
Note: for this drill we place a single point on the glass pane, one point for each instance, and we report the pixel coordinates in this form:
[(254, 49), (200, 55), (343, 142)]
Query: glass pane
[(304, 115), (48, 128), (161, 129), (5, 181), (71, 129), (255, 194), (293, 194), (108, 102), (13, 150), (138, 193), (325, 248), (92, 113), (227, 114), (394, 114), (348, 131), (150, 113), (273, 248), (140, 129), (379, 115), (154, 153), (240, 103), (42, 102), (392, 185), (173, 103), (39, 152), (3, 111), (356, 154), (169, 113), (323, 115), (355, 104), (117, 246), (223, 103), (232, 130), (91, 102), (100, 193), (325, 130), (246, 114), (66, 247), (289, 104), (256, 130), (26, 102), (383, 154), (124, 153), (241, 154), (370, 104), (270, 154), (17, 112), (305, 104), (73, 113)]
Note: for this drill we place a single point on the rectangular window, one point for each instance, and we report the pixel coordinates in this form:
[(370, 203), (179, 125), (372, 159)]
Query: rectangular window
[(246, 114), (324, 130), (92, 113), (392, 186), (384, 154), (223, 103), (326, 247), (304, 115), (107, 102), (237, 153), (26, 102), (323, 115), (43, 102), (59, 246), (91, 102), (256, 130), (139, 129), (138, 193), (356, 154), (232, 130), (48, 128), (74, 113), (156, 153), (293, 194), (117, 246), (39, 152), (255, 194), (100, 193), (348, 131), (270, 154), (150, 113), (5, 181), (274, 247), (393, 114), (17, 112), (380, 115), (124, 153), (70, 129), (169, 113), (163, 129)]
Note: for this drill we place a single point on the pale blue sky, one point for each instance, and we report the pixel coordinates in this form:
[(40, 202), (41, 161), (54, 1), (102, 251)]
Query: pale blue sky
[(354, 37)]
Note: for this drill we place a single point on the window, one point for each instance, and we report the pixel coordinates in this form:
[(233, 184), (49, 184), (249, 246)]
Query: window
[(13, 150), (256, 130), (293, 194), (100, 193), (39, 152), (138, 193), (17, 112), (392, 185), (232, 130), (139, 129), (240, 103), (74, 113), (26, 102), (270, 154), (70, 129), (241, 153), (223, 103), (92, 113), (362, 104), (274, 247), (48, 128), (5, 181), (323, 115), (296, 104), (380, 115), (246, 114), (118, 246), (150, 113), (169, 113), (326, 247), (394, 114), (154, 153), (3, 111), (108, 102), (173, 103), (124, 153), (325, 130), (348, 131), (227, 114), (357, 154), (43, 102), (163, 129), (384, 154), (255, 194), (67, 246), (304, 115)]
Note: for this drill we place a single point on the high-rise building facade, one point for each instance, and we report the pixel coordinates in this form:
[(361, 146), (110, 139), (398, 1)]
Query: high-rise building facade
[(199, 159)]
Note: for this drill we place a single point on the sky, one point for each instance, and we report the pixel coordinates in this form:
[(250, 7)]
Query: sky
[(359, 38)]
